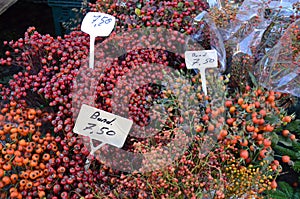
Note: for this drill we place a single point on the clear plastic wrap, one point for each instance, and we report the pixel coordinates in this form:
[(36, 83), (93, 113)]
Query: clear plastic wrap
[(258, 33), (206, 30), (279, 18), (214, 3), (253, 18), (244, 32), (279, 69)]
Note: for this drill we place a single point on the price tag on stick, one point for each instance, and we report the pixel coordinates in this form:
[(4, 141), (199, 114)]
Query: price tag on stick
[(103, 126), (97, 24), (201, 60)]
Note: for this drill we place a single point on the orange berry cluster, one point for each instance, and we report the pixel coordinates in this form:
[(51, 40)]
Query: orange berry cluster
[(252, 119), (26, 150)]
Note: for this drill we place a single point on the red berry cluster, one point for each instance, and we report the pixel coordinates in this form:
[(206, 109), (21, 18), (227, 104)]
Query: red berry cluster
[(177, 15), (42, 157)]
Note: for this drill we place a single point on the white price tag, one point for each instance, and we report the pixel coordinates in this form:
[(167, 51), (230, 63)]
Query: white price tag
[(201, 59), (103, 126), (98, 24)]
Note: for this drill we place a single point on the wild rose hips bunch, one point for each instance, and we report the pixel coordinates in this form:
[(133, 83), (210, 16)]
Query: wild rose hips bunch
[(36, 123), (252, 120), (49, 67), (177, 15)]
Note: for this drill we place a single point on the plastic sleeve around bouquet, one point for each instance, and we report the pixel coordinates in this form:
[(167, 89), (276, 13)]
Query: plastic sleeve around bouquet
[(248, 15), (241, 26), (208, 35), (279, 69), (247, 30), (244, 32), (214, 3)]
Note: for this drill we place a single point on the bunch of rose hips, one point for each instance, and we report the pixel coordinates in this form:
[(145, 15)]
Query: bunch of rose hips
[(54, 157), (177, 15)]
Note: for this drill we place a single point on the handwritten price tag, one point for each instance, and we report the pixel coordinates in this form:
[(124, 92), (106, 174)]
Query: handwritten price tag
[(201, 59), (98, 24), (103, 126)]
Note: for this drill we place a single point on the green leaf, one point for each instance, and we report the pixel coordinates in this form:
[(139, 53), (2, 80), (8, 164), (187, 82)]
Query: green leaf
[(286, 141), (294, 126), (296, 146), (297, 195), (276, 194), (296, 166), (180, 5), (253, 79), (286, 188), (176, 25), (137, 12), (272, 119), (274, 139), (284, 151)]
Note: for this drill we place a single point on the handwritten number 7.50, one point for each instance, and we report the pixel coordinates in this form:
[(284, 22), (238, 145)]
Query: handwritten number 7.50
[(99, 20), (103, 130), (197, 61)]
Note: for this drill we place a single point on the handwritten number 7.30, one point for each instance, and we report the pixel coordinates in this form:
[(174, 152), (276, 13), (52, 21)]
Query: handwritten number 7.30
[(99, 20), (101, 131)]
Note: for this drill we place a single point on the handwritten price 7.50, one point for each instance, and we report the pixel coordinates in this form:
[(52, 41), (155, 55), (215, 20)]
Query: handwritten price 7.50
[(98, 20)]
